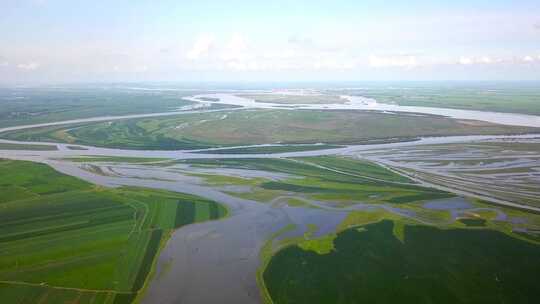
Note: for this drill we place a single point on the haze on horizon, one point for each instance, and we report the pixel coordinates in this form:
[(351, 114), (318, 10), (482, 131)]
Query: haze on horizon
[(52, 41)]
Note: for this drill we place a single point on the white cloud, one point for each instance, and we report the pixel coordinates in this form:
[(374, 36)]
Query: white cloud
[(528, 59), (465, 60), (469, 60), (4, 64), (403, 61), (486, 60), (201, 47), (30, 66)]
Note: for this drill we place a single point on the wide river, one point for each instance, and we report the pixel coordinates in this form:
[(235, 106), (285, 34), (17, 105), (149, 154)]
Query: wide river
[(216, 262), (369, 104)]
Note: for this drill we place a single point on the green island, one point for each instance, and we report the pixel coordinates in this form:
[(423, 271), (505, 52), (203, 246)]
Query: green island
[(251, 127), (63, 240)]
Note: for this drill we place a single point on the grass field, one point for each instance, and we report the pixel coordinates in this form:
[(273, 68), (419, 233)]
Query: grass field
[(64, 240), (246, 127), (371, 264)]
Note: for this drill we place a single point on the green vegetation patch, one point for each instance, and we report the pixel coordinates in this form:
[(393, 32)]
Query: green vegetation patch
[(356, 167), (473, 222), (534, 237), (197, 210), (430, 265), (322, 245), (29, 294), (19, 180), (8, 146)]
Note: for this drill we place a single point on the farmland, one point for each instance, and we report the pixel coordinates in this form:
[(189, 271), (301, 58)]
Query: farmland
[(248, 127), (63, 239)]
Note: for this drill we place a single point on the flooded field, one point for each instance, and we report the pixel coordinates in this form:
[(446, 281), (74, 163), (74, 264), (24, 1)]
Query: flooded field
[(496, 169)]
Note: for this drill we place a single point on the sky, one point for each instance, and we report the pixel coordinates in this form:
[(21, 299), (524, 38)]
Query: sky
[(57, 41)]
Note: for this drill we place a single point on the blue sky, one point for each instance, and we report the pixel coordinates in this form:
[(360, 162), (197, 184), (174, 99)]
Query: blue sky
[(87, 41)]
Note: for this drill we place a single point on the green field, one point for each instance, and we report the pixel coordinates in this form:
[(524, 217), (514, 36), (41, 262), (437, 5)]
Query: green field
[(248, 127), (64, 240), (370, 264)]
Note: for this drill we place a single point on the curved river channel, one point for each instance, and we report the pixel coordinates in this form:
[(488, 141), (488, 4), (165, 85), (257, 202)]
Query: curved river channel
[(216, 262)]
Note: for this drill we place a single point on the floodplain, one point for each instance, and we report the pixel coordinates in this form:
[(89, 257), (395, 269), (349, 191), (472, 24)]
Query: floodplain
[(286, 199)]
